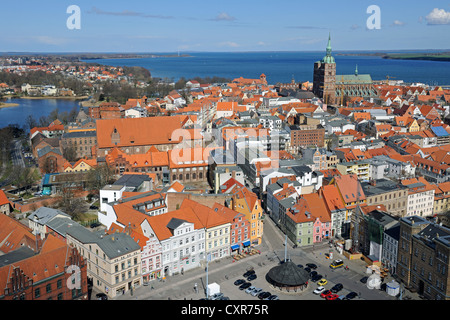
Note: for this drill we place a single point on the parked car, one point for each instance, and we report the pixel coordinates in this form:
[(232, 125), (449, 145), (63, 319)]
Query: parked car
[(351, 295), (251, 277), (216, 296), (264, 295), (101, 296), (325, 293), (308, 269), (337, 287), (300, 265), (244, 286), (273, 297), (313, 274), (95, 224), (311, 265), (248, 273), (316, 278), (238, 282), (332, 296), (322, 282), (364, 279), (256, 292), (319, 290), (250, 289)]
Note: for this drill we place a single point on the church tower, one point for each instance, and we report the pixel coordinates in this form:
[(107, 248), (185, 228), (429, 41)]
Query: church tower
[(324, 83)]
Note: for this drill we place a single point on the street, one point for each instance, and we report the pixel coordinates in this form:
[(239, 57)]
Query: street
[(16, 154), (226, 271)]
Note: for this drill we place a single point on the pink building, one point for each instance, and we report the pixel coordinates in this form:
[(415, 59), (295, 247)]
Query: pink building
[(240, 227)]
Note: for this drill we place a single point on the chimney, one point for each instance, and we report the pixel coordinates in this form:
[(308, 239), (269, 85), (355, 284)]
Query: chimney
[(285, 185)]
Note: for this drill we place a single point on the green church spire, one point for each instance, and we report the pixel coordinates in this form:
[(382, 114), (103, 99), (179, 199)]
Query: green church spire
[(329, 45), (328, 58)]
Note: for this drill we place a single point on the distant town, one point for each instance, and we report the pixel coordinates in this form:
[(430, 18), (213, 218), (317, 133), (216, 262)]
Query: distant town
[(210, 188)]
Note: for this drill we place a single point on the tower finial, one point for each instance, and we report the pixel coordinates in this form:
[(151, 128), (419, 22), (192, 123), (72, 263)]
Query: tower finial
[(329, 45), (356, 70)]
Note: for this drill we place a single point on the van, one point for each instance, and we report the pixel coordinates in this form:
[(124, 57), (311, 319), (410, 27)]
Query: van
[(337, 264)]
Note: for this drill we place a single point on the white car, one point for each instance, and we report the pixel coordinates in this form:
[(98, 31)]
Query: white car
[(250, 289), (256, 292), (319, 290)]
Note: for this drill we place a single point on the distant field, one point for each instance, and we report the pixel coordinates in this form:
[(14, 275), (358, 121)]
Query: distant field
[(419, 56)]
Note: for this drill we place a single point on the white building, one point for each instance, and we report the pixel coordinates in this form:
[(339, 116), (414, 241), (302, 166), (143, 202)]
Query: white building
[(182, 239), (136, 112), (420, 200), (110, 193), (149, 203)]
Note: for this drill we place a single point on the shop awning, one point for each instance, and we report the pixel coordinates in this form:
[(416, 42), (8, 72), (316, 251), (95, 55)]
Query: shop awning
[(246, 243), (235, 247)]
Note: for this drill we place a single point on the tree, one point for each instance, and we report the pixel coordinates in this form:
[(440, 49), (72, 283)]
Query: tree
[(72, 205), (24, 177), (99, 177), (69, 152), (30, 122)]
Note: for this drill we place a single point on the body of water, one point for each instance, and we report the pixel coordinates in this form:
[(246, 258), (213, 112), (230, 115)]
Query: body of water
[(283, 66), (35, 107)]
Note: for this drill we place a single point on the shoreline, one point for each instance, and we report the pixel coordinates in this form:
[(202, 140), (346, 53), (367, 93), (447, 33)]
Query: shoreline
[(54, 97), (8, 105)]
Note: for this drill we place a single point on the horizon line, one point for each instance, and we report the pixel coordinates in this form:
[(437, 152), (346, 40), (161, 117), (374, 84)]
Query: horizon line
[(179, 51)]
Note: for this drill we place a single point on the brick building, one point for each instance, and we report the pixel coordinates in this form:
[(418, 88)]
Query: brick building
[(83, 142), (50, 160), (324, 82), (48, 275), (106, 110), (306, 135), (423, 257)]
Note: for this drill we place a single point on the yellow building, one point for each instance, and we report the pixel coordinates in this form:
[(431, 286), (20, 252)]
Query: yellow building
[(360, 168), (246, 202), (441, 197), (413, 126), (80, 166)]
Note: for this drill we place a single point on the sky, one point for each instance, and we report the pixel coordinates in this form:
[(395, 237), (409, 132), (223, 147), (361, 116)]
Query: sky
[(223, 26)]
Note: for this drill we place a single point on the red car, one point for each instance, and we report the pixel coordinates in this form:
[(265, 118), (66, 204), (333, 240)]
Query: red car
[(332, 296), (326, 293)]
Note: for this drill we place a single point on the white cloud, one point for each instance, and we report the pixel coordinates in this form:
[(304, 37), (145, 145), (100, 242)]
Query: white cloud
[(398, 23), (50, 40), (223, 16), (128, 13), (230, 44), (438, 16)]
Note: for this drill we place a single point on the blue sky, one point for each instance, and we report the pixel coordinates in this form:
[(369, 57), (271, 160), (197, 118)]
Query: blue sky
[(244, 25)]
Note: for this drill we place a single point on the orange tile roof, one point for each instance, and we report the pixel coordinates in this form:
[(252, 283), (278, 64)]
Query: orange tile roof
[(332, 198), (313, 204), (159, 223), (206, 215), (13, 234), (39, 267), (3, 198), (142, 131), (348, 186)]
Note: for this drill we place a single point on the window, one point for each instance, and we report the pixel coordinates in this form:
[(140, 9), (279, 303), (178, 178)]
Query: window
[(37, 292)]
